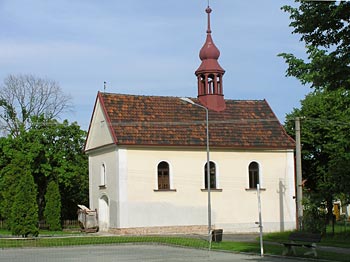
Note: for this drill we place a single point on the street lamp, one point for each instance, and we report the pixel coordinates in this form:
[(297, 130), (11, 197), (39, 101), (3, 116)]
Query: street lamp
[(208, 161)]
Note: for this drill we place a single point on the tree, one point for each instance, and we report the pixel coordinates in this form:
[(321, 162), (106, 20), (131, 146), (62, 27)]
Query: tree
[(53, 151), (11, 166), (324, 27), (24, 211), (25, 96), (62, 159), (325, 145), (52, 212)]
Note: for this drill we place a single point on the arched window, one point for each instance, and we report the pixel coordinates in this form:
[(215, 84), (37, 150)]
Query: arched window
[(212, 172), (103, 175), (253, 174), (163, 176)]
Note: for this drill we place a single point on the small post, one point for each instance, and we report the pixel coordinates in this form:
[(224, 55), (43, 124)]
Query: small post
[(260, 223)]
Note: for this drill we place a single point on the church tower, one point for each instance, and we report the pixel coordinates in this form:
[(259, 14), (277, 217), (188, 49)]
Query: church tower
[(210, 74)]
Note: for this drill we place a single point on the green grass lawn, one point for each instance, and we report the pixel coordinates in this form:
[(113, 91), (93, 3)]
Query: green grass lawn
[(62, 240), (340, 239), (66, 238), (275, 249)]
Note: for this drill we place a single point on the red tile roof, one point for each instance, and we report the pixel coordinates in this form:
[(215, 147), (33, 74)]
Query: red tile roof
[(168, 121)]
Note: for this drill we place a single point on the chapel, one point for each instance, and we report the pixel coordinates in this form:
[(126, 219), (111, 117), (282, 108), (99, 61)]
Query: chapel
[(149, 157)]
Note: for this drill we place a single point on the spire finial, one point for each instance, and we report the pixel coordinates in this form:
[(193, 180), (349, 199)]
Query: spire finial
[(208, 11)]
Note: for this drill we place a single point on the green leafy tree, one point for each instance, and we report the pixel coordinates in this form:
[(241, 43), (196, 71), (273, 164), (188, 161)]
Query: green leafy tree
[(325, 145), (58, 150), (24, 211), (62, 159), (53, 151), (52, 212), (324, 27)]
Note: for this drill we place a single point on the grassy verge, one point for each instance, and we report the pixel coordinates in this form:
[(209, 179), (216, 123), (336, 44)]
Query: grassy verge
[(96, 240), (273, 249), (254, 247), (341, 239)]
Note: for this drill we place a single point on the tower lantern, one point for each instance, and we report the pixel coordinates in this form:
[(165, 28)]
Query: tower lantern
[(210, 74)]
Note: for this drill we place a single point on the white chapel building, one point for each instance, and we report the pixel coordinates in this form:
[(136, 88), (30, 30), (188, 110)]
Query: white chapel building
[(148, 160)]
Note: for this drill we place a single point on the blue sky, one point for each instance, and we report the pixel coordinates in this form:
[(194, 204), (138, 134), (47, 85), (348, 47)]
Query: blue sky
[(150, 48)]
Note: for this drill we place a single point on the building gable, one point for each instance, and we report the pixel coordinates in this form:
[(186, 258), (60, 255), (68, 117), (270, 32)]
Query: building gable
[(100, 133)]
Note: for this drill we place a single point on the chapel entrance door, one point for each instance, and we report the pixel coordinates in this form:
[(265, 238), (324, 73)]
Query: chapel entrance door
[(103, 214)]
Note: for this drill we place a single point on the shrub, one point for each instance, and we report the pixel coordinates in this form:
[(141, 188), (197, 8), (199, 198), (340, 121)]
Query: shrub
[(52, 212), (314, 218)]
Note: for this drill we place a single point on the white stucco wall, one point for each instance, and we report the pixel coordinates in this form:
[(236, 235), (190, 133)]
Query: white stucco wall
[(99, 133), (234, 209), (107, 157)]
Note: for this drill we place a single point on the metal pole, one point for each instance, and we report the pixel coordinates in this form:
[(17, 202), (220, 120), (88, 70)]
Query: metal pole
[(208, 176), (299, 188), (260, 221), (208, 165)]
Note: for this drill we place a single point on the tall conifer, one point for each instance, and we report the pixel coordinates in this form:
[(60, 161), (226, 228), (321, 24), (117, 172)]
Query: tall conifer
[(52, 211), (24, 212)]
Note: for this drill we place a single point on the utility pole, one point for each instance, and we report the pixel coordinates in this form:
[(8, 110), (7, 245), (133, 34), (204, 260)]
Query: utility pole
[(299, 186)]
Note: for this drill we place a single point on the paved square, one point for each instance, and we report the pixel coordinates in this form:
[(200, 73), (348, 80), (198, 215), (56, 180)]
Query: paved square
[(125, 253)]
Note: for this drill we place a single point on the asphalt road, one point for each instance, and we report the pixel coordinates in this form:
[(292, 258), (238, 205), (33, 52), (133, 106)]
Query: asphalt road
[(125, 253)]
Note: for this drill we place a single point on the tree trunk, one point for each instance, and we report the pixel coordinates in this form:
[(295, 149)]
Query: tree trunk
[(329, 218)]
